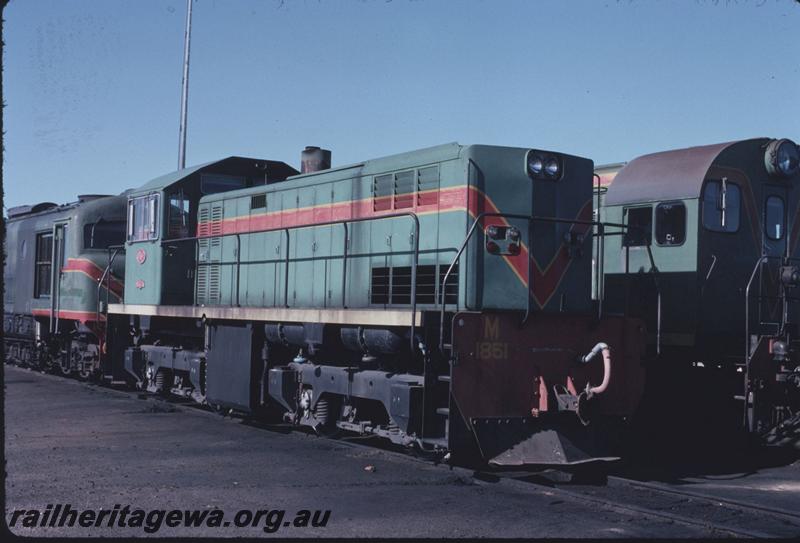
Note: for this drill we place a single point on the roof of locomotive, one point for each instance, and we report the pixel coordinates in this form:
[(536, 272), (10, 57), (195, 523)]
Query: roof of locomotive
[(85, 203), (237, 165), (669, 175), (428, 155), (607, 173)]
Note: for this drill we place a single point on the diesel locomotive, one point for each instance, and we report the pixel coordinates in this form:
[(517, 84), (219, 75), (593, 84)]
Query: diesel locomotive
[(439, 298), (712, 244), (446, 298), (56, 271)]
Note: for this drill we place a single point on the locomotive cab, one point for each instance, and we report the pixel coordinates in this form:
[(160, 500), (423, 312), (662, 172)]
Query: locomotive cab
[(162, 224), (714, 245)]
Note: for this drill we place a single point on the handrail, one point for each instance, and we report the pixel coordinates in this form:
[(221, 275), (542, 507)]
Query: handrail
[(653, 270), (599, 264), (345, 256), (106, 274), (748, 354), (531, 219)]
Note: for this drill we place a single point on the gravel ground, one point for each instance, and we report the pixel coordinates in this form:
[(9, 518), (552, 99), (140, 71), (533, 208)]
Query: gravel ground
[(93, 448)]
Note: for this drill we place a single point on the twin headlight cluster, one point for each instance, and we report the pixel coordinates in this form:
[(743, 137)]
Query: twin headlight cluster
[(542, 165), (782, 158)]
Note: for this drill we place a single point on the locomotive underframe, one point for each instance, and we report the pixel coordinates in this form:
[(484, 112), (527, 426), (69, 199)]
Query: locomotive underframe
[(73, 348)]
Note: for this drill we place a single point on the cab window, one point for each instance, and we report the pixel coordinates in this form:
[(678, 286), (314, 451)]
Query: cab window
[(670, 223), (722, 202), (43, 265), (178, 220), (773, 217), (640, 226), (143, 218), (102, 234), (212, 183)]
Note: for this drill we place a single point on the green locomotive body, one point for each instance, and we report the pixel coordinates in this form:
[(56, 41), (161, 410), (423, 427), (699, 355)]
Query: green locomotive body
[(342, 297)]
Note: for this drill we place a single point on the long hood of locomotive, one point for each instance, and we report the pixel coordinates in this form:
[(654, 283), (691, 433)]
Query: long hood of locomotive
[(481, 180)]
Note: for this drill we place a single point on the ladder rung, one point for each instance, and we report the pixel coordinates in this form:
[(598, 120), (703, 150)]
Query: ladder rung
[(443, 411), (444, 378)]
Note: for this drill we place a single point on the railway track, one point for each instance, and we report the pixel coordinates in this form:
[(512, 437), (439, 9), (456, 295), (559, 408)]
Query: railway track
[(722, 517)]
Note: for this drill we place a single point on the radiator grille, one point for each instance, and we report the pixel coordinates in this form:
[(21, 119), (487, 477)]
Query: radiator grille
[(392, 286)]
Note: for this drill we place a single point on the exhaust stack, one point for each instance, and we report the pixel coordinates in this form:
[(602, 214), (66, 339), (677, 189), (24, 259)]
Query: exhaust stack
[(314, 159)]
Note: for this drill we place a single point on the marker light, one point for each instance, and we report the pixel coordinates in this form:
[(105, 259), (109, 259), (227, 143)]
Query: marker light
[(513, 249), (492, 247)]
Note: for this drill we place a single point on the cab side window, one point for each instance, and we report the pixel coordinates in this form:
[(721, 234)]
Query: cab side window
[(43, 265), (722, 202), (773, 218), (142, 218), (103, 233), (670, 223), (640, 226), (178, 222)]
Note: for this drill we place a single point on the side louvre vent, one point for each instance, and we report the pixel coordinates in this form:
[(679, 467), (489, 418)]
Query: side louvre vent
[(215, 228), (382, 192), (392, 286), (259, 201), (407, 189), (210, 254), (404, 187), (428, 186), (202, 221)]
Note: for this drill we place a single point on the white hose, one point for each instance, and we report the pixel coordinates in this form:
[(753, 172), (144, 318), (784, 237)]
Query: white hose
[(604, 348)]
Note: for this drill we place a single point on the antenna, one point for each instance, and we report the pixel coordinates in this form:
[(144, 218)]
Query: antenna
[(185, 87)]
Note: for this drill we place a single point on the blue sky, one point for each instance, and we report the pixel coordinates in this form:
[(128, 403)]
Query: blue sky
[(92, 87)]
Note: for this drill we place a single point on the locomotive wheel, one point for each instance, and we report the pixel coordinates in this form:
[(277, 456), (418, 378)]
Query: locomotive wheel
[(64, 366)]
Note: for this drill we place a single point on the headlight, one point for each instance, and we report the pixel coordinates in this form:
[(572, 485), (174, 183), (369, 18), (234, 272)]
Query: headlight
[(551, 167), (535, 164), (782, 158), (543, 165)]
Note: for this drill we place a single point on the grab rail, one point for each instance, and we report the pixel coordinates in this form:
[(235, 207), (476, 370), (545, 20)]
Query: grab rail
[(345, 256), (530, 220), (781, 325), (748, 354), (107, 276), (599, 264)]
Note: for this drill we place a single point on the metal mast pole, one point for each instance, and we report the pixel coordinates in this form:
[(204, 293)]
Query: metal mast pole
[(185, 86)]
